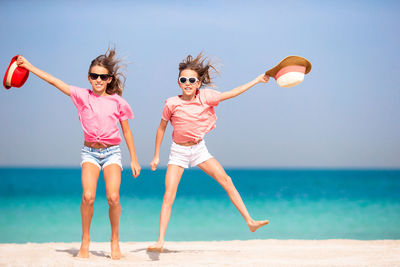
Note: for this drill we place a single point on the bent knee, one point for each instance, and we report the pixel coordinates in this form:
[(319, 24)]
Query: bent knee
[(113, 199), (226, 181), (88, 198)]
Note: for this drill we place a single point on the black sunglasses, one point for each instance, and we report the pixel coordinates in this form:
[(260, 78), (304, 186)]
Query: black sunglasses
[(192, 80), (103, 77)]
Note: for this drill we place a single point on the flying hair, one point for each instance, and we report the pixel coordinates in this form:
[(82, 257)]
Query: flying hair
[(113, 65), (200, 66)]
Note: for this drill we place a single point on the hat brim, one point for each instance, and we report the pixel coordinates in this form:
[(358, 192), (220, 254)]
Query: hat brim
[(288, 61), (6, 76), (15, 76)]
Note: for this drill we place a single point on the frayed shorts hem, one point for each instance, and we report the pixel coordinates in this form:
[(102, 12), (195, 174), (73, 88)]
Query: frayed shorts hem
[(105, 165)]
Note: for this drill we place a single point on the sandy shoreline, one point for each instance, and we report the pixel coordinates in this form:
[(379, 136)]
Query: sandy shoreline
[(216, 253)]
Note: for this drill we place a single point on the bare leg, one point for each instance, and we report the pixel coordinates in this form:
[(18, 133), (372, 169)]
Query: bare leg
[(172, 178), (90, 175), (216, 171), (112, 178)]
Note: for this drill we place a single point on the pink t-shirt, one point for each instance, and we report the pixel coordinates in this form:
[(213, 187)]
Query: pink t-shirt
[(99, 115), (191, 120)]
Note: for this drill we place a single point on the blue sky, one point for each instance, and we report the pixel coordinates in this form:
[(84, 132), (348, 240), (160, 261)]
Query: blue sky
[(345, 114)]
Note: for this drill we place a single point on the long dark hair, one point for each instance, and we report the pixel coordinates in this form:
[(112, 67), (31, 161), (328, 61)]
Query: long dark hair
[(200, 66), (112, 64)]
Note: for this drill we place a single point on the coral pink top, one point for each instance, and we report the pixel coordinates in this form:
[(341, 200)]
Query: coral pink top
[(99, 115), (191, 120)]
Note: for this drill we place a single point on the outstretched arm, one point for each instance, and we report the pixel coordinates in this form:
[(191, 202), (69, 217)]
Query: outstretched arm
[(262, 78), (126, 130), (62, 86), (159, 138)]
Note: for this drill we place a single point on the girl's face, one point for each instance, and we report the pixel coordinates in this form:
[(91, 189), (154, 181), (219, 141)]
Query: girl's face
[(99, 79), (189, 89)]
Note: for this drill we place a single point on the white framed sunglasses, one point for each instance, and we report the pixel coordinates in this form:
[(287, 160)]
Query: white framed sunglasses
[(184, 79)]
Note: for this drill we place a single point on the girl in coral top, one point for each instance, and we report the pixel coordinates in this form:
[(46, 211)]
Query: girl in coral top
[(192, 116), (99, 110)]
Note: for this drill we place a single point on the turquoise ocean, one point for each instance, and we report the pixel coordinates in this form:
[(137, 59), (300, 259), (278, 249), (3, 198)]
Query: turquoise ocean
[(43, 205)]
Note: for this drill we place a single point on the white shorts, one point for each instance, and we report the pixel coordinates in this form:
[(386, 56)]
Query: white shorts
[(185, 155)]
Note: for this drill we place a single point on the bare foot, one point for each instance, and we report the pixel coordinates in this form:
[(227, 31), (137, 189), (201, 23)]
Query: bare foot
[(115, 251), (254, 225), (156, 247), (84, 250)]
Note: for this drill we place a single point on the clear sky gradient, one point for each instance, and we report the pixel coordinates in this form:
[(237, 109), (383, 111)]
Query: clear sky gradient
[(345, 114)]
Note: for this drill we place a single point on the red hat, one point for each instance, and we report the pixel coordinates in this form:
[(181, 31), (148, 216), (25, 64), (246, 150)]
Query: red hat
[(15, 76)]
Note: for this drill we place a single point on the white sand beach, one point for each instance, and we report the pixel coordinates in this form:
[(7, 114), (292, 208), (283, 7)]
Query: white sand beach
[(216, 253)]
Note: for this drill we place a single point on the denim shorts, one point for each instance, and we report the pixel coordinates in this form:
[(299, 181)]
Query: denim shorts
[(102, 157)]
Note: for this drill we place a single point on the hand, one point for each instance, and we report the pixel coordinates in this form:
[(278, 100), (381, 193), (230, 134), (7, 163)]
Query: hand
[(154, 163), (22, 62), (135, 168), (262, 78)]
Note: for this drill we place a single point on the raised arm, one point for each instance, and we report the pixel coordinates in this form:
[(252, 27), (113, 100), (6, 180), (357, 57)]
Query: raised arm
[(159, 138), (262, 78), (62, 86), (126, 130)]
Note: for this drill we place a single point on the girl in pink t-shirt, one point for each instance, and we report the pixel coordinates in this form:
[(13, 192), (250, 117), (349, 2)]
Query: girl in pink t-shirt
[(99, 110), (192, 116)]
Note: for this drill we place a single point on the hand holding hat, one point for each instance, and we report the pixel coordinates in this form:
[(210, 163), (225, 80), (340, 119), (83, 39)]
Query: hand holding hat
[(262, 78), (16, 73), (23, 62), (290, 71)]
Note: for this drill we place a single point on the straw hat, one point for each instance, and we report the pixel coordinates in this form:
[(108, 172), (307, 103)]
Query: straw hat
[(15, 76), (290, 71)]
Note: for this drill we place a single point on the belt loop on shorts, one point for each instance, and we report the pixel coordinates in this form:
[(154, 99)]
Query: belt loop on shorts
[(88, 148)]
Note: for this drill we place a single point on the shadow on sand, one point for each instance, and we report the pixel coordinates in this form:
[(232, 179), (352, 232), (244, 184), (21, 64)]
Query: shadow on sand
[(73, 252), (155, 256)]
